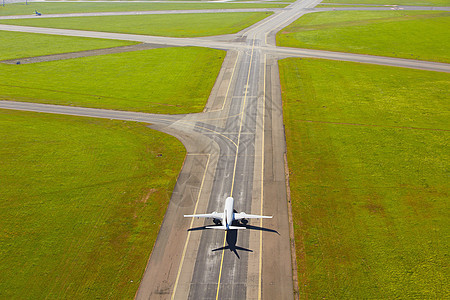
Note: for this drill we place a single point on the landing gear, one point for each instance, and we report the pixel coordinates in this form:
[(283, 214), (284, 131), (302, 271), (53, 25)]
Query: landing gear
[(217, 222)]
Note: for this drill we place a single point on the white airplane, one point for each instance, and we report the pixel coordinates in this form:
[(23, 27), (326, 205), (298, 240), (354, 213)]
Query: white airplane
[(228, 216)]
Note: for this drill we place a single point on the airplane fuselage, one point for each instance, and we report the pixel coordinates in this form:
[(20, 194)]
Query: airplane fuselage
[(228, 213)]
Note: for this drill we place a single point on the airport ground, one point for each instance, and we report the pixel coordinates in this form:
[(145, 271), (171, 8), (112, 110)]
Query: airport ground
[(390, 209), (367, 156)]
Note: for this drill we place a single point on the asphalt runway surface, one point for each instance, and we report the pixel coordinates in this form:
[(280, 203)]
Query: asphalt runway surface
[(236, 148)]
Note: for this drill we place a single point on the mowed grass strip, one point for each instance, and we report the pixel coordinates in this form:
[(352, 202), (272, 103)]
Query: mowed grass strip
[(396, 2), (407, 34), (167, 80), (368, 162), (82, 201), (20, 45), (113, 6), (345, 5), (172, 25)]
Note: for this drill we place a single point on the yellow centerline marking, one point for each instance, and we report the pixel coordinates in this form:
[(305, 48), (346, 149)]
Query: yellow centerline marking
[(221, 264), (190, 226), (262, 183), (235, 159), (242, 118)]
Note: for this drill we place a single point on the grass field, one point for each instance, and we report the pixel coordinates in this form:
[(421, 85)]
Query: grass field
[(82, 201), (167, 80), (58, 8), (368, 160), (19, 45), (397, 2), (173, 25), (407, 34), (345, 5)]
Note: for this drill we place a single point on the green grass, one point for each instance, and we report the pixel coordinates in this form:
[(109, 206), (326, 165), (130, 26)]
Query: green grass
[(345, 5), (82, 201), (174, 25), (82, 7), (397, 2), (407, 34), (19, 45), (368, 161), (167, 80)]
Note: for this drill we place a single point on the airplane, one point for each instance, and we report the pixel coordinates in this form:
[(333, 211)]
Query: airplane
[(227, 217)]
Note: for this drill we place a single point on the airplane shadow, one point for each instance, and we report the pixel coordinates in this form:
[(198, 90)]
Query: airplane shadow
[(231, 237), (197, 228), (231, 243), (251, 227)]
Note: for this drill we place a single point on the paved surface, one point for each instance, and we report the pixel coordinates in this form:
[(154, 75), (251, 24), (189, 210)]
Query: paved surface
[(235, 148)]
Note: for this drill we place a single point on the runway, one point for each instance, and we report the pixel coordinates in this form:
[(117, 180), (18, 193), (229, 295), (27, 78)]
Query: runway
[(225, 157), (236, 148)]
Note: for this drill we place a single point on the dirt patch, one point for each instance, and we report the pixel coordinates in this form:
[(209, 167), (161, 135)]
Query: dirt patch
[(375, 208), (144, 199), (72, 55), (147, 196)]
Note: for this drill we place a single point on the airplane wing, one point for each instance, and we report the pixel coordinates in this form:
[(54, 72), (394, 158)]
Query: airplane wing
[(214, 215), (242, 215)]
